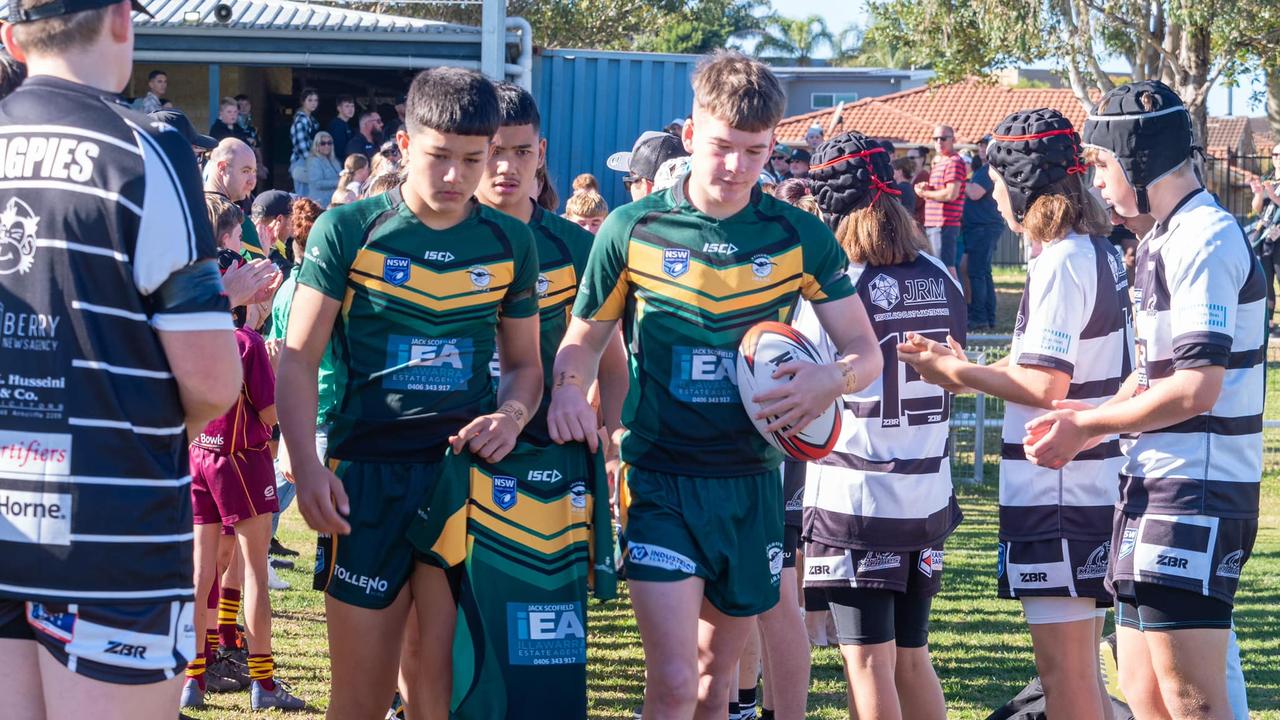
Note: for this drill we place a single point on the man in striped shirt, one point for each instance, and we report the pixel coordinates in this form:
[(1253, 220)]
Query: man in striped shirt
[(1190, 415), (116, 341), (944, 197)]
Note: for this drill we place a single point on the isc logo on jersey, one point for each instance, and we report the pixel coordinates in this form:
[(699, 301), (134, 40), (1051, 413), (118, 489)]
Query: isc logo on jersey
[(442, 256), (545, 476)]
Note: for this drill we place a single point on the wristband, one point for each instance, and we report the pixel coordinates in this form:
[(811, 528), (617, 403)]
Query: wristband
[(515, 410)]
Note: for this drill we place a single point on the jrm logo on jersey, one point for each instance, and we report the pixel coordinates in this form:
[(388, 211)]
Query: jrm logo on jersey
[(396, 270), (504, 491), (675, 261), (924, 291), (884, 291), (546, 633)]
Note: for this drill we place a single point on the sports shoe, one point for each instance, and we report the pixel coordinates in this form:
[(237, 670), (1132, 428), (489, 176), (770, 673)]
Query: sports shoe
[(280, 697), (274, 582), (237, 659), (192, 695), (280, 563), (277, 549), (222, 675)]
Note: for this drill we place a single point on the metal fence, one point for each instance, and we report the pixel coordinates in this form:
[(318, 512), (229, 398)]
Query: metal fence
[(977, 420), (1229, 177)]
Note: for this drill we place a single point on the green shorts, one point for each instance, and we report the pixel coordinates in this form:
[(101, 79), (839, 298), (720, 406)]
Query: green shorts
[(369, 567), (725, 530)]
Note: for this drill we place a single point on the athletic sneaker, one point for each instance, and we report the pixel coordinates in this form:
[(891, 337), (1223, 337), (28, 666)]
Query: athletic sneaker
[(223, 675), (192, 695), (277, 549), (237, 659), (274, 582), (280, 563), (280, 697)]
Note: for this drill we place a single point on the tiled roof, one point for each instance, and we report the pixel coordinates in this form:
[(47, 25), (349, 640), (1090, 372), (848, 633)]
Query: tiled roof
[(285, 15), (972, 107), (1263, 140), (1227, 134)]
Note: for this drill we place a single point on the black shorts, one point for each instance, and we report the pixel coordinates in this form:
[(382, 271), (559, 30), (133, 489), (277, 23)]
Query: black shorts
[(793, 475), (117, 643), (1196, 553), (870, 617), (1054, 568), (1160, 607), (914, 573), (790, 541)]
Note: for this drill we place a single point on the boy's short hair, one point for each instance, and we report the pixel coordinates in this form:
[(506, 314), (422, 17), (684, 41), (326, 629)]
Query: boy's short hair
[(452, 101), (241, 96), (227, 102), (586, 204), (517, 106), (155, 74), (224, 215), (739, 90), (344, 99), (60, 34)]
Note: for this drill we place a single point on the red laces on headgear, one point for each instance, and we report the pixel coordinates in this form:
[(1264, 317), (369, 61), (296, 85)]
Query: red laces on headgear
[(880, 185), (1078, 168)]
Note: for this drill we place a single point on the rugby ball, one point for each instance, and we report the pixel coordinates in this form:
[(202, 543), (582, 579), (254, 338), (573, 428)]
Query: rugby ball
[(766, 346)]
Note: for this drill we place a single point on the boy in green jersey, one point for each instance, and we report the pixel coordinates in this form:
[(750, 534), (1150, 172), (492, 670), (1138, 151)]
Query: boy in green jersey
[(510, 179), (414, 288), (689, 270)]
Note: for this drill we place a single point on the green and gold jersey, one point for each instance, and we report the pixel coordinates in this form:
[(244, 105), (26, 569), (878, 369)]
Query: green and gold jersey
[(418, 323), (534, 535), (687, 288), (250, 244), (563, 248)]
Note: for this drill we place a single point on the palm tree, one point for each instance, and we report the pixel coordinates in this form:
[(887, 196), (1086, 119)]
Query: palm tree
[(793, 38)]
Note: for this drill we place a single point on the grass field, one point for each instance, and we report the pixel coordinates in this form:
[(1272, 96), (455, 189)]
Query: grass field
[(980, 645)]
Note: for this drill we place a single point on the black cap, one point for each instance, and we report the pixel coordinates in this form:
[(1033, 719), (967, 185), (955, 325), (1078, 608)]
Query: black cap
[(652, 149), (799, 155), (58, 8), (1031, 151), (273, 203), (179, 121), (850, 172)]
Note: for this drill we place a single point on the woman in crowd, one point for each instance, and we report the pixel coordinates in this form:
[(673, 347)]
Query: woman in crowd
[(355, 170), (301, 134), (322, 169)]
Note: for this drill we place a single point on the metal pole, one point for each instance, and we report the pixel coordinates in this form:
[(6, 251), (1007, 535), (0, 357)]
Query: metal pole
[(493, 35), (980, 432)]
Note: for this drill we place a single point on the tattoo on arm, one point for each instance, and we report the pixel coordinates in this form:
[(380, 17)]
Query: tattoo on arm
[(515, 411), (567, 378)]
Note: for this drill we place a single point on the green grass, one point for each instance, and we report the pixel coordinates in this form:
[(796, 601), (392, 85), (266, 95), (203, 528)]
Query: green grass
[(980, 645)]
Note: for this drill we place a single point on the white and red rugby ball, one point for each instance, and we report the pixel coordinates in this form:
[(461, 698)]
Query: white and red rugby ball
[(766, 346)]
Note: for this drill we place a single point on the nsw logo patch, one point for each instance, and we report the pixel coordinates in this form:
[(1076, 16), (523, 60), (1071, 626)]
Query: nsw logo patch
[(504, 491), (396, 270), (675, 261)]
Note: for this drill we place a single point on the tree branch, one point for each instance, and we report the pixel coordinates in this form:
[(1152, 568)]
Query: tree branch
[(1143, 34)]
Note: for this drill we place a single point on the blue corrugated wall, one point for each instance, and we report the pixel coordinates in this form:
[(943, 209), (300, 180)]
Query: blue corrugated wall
[(596, 103)]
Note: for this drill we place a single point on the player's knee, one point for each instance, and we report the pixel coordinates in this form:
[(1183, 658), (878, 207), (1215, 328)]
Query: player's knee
[(674, 684), (912, 662)]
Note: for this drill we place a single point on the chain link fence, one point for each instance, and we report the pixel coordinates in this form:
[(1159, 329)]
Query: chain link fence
[(977, 420)]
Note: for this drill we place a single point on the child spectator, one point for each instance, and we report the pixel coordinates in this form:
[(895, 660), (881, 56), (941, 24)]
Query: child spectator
[(355, 170), (586, 207)]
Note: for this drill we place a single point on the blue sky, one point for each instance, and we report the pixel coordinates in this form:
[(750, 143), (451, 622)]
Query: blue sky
[(839, 14)]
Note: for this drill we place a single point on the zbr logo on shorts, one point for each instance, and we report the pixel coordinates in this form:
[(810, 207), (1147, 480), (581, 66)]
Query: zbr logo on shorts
[(675, 261), (504, 491), (395, 270)]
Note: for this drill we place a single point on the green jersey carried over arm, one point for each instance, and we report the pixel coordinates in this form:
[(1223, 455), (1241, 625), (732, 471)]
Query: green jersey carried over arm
[(533, 533)]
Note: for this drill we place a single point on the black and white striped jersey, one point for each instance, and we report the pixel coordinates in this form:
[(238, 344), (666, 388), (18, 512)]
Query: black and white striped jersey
[(1073, 317), (99, 207), (887, 485), (1201, 301)]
